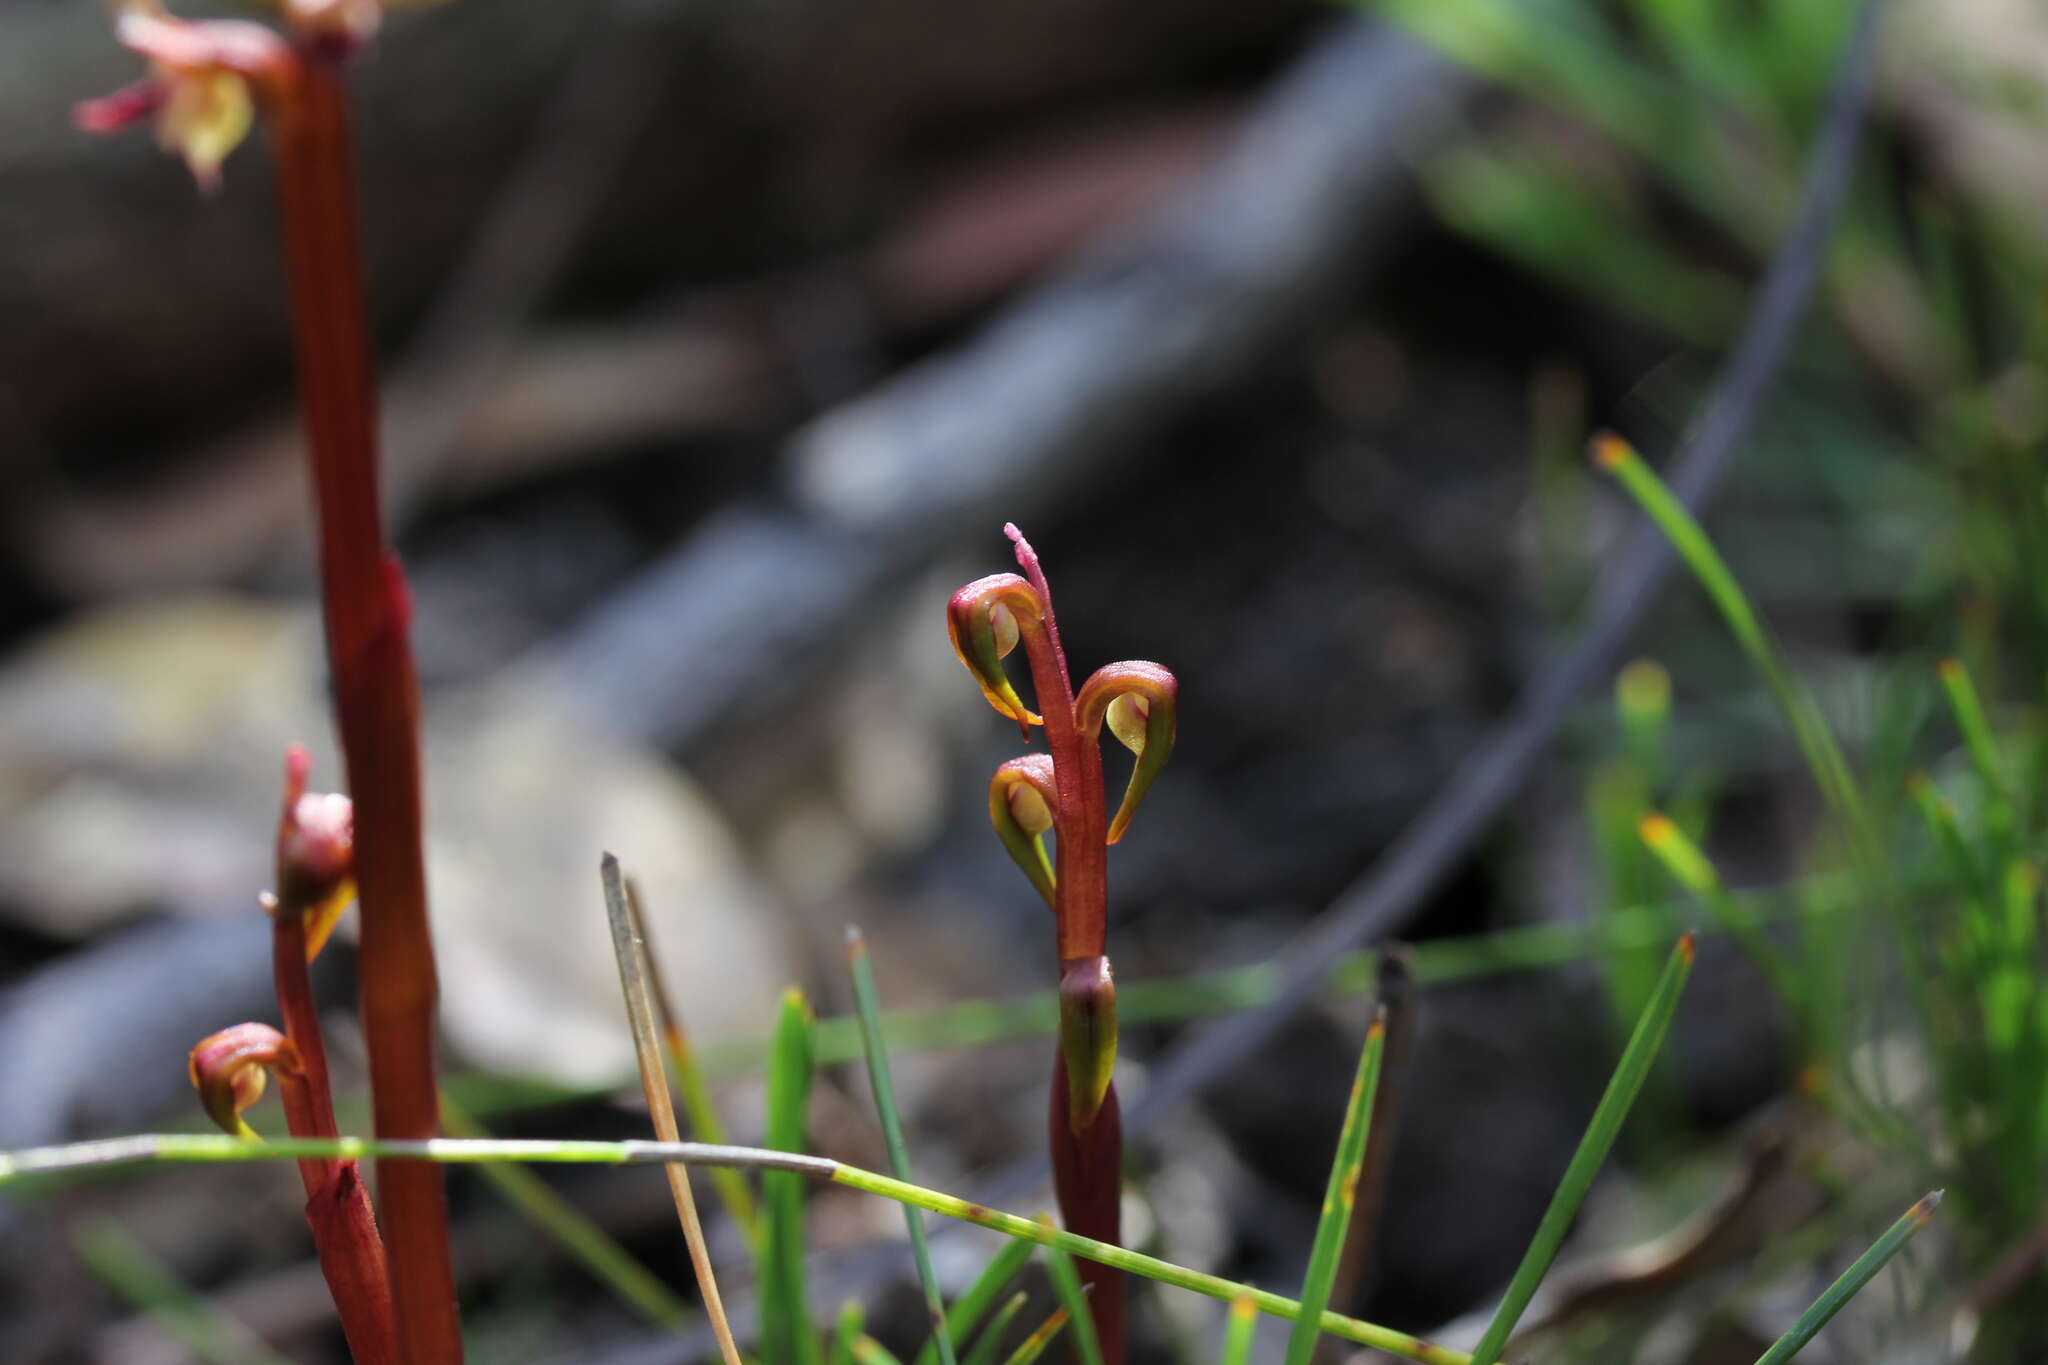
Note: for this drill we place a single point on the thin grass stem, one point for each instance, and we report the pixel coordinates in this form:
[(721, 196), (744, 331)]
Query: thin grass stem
[(630, 952), (968, 1309), (1853, 1279), (1034, 1345), (787, 1337), (133, 1272), (25, 1168), (1066, 1282), (1338, 1196), (983, 1352), (852, 1322), (705, 1123), (1238, 1328), (869, 1011), (616, 1268), (1635, 1063)]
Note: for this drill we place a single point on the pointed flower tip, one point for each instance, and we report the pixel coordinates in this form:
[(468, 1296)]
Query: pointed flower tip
[(1138, 701), (1656, 829), (1688, 945), (230, 1068), (1610, 452), (122, 109), (1929, 1202)]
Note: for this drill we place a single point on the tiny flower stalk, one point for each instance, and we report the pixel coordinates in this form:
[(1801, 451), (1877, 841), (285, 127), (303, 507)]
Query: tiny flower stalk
[(230, 1069), (1062, 792), (207, 82), (315, 882)]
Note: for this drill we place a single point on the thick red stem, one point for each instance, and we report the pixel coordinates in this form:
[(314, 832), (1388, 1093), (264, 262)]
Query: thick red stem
[(375, 693), (1087, 1176)]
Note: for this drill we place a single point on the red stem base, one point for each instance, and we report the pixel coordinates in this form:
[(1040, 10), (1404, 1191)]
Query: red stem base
[(1087, 1176)]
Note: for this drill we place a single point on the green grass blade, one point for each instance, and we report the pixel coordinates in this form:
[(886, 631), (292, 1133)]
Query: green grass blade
[(868, 1351), (1592, 1153), (983, 1352), (32, 1168), (1066, 1282), (1940, 819), (1338, 1196), (870, 1013), (1974, 726), (1690, 867), (1238, 1328), (1035, 1344), (967, 1310), (130, 1269), (786, 1334), (852, 1322), (1853, 1279), (632, 1283), (1809, 728)]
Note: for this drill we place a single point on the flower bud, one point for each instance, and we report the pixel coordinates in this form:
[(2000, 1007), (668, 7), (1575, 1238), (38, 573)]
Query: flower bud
[(1022, 801), (229, 1069), (315, 853), (1087, 1035), (1137, 700)]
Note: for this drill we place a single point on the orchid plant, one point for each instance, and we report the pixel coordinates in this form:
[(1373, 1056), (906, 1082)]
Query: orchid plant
[(1062, 792), (208, 82)]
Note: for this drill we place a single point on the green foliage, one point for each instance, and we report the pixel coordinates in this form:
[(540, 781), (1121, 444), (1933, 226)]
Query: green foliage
[(787, 1336), (1339, 1196)]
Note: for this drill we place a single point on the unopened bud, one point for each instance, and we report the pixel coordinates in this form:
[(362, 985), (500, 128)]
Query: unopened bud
[(1087, 1035), (315, 853)]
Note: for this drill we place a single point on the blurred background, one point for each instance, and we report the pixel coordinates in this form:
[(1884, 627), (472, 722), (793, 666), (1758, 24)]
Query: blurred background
[(719, 343)]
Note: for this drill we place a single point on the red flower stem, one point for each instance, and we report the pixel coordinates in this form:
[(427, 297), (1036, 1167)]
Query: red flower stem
[(1087, 1163), (312, 1113), (375, 693), (1087, 1175), (1081, 866), (337, 1206)]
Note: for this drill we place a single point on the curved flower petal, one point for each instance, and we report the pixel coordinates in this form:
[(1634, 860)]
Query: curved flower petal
[(1137, 699), (229, 1069), (984, 620), (1022, 802)]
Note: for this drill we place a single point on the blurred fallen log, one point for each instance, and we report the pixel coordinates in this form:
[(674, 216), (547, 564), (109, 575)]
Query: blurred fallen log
[(475, 406), (1061, 385), (133, 313)]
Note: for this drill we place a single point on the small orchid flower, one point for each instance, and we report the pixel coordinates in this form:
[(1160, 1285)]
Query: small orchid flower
[(231, 1068)]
